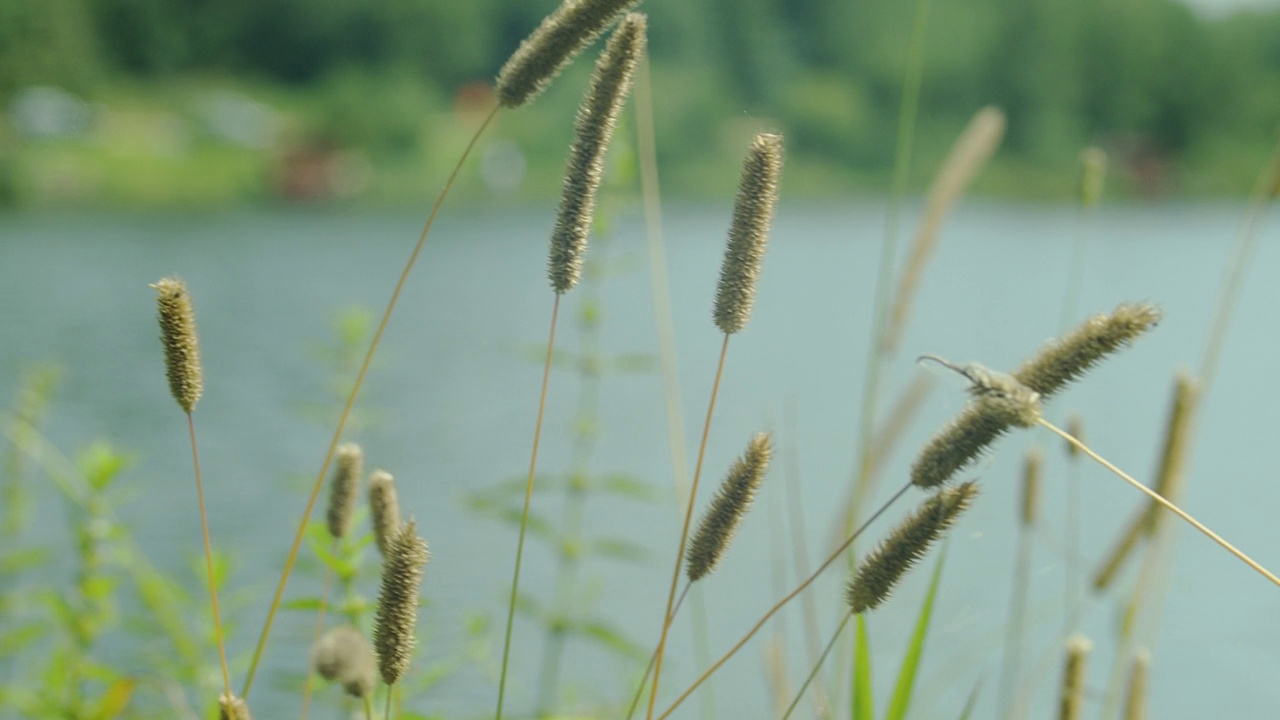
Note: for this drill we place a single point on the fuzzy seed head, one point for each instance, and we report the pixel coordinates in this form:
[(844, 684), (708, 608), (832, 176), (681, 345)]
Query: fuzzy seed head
[(732, 500), (1068, 358), (397, 614), (967, 436), (597, 117), (344, 488), (384, 508), (749, 233), (905, 546), (342, 655), (553, 45), (233, 708), (1176, 441), (181, 348), (1071, 703)]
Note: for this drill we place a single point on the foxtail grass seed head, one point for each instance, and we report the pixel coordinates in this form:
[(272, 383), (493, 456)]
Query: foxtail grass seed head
[(384, 508), (1135, 702), (1031, 486), (749, 233), (1075, 428), (905, 546), (181, 348), (1071, 702), (397, 613), (1174, 452), (1093, 175), (553, 45), (344, 488), (597, 117), (730, 504), (344, 656), (233, 708), (1068, 358), (967, 436)]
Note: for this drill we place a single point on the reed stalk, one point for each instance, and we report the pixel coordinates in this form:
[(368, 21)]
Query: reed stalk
[(1159, 499), (351, 400), (1012, 663)]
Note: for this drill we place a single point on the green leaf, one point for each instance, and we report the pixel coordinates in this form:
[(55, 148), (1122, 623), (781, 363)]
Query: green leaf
[(114, 700), (863, 705), (911, 662), (100, 463), (633, 363), (11, 643), (20, 560), (628, 486), (309, 604)]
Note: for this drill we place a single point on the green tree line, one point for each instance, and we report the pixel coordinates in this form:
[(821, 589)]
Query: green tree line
[(1148, 76)]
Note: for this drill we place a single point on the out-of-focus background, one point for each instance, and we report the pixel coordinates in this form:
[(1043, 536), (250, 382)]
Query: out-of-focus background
[(280, 155), (191, 103)]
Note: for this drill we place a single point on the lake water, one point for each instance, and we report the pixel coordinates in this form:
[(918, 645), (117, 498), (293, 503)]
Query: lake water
[(455, 401)]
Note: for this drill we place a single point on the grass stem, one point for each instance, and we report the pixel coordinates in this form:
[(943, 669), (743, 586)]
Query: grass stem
[(351, 400), (528, 496), (822, 658), (835, 555), (208, 559), (684, 532), (1161, 500), (315, 635)]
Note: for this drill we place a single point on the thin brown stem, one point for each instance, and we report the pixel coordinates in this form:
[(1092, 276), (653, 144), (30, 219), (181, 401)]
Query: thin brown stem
[(315, 635), (813, 674), (528, 496), (644, 681), (779, 605), (1161, 500), (684, 532), (208, 559), (351, 400)]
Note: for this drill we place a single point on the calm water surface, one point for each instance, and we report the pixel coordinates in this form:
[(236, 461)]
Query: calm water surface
[(455, 398)]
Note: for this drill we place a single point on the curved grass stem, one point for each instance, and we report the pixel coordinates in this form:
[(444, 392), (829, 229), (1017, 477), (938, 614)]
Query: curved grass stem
[(684, 532), (208, 559), (524, 516), (835, 555), (644, 681), (351, 400), (1161, 500)]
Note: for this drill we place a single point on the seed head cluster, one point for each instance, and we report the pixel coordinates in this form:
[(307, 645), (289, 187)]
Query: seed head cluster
[(344, 488), (597, 117), (181, 348), (732, 500), (397, 613), (748, 233), (344, 656), (905, 546), (384, 508)]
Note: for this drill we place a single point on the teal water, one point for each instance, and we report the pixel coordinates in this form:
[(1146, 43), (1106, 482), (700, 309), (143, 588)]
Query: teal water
[(455, 400)]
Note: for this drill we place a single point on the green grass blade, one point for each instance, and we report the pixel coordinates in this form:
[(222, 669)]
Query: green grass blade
[(907, 675), (863, 706)]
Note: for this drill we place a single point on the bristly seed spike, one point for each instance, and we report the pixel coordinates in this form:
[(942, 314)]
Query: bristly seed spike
[(749, 233), (732, 500), (181, 347)]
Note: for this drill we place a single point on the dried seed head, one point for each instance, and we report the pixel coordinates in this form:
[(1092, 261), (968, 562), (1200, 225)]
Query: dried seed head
[(1031, 486), (1135, 703), (397, 614), (561, 36), (232, 708), (384, 507), (181, 348), (344, 487), (731, 502), (343, 655), (593, 129), (1071, 703), (749, 233), (1093, 175), (1006, 404), (1065, 360), (1075, 428), (906, 545)]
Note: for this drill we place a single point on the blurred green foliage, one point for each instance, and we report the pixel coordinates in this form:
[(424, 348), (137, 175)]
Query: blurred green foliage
[(1181, 100)]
